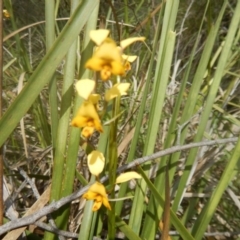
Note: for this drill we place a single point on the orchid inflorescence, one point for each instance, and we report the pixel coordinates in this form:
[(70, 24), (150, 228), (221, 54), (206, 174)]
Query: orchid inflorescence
[(108, 59)]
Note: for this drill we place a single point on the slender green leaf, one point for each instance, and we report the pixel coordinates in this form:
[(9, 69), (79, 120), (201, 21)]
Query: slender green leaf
[(126, 229), (50, 37)]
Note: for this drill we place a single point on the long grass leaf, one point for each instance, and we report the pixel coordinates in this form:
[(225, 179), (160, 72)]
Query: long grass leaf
[(50, 38), (126, 229), (58, 174)]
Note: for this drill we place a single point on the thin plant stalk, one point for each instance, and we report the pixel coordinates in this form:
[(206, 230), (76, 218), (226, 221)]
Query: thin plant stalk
[(112, 165)]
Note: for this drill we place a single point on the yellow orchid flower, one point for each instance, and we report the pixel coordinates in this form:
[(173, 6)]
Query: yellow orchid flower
[(118, 89), (87, 116), (97, 192), (107, 58), (88, 119)]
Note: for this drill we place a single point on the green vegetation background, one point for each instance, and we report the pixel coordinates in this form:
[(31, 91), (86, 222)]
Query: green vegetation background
[(185, 89)]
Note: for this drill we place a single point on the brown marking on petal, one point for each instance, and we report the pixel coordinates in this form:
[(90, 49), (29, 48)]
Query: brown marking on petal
[(87, 132), (96, 206)]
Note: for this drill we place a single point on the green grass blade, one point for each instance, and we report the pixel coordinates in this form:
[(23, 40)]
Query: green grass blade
[(62, 135), (87, 222), (171, 135), (6, 66), (50, 38), (126, 229), (73, 147)]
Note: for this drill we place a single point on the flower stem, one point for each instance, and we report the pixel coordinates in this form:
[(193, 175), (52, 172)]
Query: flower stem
[(112, 146)]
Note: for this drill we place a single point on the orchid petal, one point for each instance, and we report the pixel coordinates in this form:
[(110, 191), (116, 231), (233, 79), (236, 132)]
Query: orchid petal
[(124, 177), (118, 89), (98, 188), (106, 203), (89, 195), (98, 36), (96, 206), (85, 87), (125, 43), (129, 58), (94, 98), (87, 132), (96, 162)]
